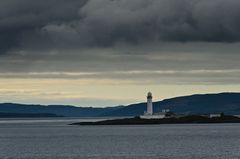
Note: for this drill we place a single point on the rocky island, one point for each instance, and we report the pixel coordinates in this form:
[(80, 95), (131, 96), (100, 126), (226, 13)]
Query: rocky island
[(191, 119), (166, 117)]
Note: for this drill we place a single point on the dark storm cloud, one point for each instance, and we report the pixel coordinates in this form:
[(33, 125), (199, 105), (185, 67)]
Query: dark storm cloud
[(106, 22), (20, 21), (82, 23)]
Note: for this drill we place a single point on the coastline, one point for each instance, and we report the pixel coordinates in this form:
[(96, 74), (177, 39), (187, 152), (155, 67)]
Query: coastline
[(191, 119)]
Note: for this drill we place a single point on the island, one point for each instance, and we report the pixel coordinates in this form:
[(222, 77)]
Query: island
[(190, 119), (166, 116)]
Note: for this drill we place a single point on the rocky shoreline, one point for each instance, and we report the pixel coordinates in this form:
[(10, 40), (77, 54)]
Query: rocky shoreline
[(191, 119)]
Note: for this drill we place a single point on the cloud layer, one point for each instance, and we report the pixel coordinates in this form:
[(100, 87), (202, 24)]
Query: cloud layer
[(106, 36), (82, 23)]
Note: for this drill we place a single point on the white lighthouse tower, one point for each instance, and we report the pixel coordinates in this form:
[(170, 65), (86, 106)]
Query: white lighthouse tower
[(149, 113), (149, 104)]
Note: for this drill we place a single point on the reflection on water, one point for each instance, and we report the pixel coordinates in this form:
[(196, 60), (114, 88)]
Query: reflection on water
[(55, 139)]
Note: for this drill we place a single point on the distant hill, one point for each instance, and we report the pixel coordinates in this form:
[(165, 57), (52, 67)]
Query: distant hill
[(229, 103), (60, 110)]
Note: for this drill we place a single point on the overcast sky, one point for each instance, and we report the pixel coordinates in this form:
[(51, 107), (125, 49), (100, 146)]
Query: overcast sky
[(111, 52)]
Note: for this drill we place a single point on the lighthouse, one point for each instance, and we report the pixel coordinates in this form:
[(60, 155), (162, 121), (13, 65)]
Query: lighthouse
[(149, 104), (149, 113)]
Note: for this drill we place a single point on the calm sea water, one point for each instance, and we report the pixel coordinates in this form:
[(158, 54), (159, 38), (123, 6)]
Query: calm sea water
[(54, 139)]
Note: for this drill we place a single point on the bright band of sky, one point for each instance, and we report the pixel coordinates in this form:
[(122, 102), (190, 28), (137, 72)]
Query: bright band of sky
[(89, 92)]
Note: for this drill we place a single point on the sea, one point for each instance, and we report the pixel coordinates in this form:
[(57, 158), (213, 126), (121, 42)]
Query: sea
[(55, 139)]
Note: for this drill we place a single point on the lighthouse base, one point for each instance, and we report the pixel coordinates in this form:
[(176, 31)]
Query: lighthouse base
[(157, 116)]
